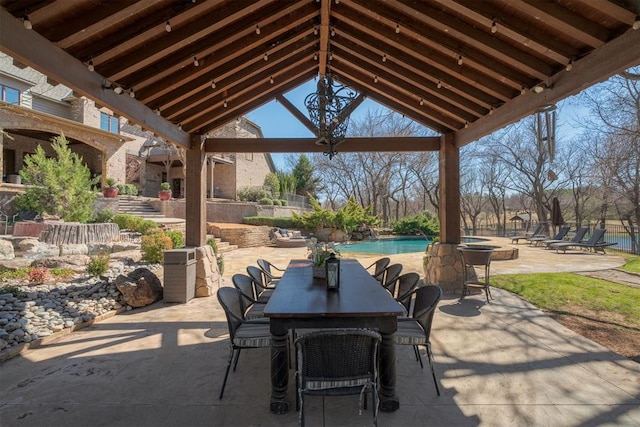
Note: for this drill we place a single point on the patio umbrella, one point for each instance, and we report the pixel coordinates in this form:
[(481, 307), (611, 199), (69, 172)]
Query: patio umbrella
[(556, 213)]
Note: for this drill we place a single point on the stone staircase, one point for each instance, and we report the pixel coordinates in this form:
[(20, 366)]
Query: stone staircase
[(137, 206), (223, 247)]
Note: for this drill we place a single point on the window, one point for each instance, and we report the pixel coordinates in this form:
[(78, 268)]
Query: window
[(9, 95), (248, 156), (109, 123)]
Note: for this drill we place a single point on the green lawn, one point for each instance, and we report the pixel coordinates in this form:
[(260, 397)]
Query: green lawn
[(572, 293), (633, 263)]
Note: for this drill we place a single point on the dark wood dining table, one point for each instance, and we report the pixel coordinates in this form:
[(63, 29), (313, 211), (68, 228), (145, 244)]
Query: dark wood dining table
[(302, 301)]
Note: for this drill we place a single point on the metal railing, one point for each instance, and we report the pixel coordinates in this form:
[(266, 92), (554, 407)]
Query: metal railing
[(626, 239), (296, 200)]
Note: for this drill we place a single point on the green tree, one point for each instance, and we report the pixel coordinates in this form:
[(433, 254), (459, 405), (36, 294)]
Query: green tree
[(288, 182), (272, 184), (60, 185), (306, 183)]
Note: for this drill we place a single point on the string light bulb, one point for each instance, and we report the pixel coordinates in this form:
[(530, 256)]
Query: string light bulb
[(375, 79), (167, 27), (90, 66), (333, 31), (315, 56), (213, 84), (439, 84), (157, 111), (523, 90), (27, 22), (132, 93), (421, 101), (266, 56), (195, 61), (180, 126), (636, 24), (224, 104), (384, 58), (397, 28), (315, 31), (330, 56), (257, 29), (494, 27), (460, 60), (271, 79), (569, 66), (118, 90), (466, 125), (491, 111)]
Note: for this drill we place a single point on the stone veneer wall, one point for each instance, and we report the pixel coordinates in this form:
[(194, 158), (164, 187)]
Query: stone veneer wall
[(248, 236), (443, 267)]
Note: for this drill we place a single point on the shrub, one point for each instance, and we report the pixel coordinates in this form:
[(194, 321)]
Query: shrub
[(127, 190), (276, 202), (62, 273), (266, 201), (219, 258), (425, 224), (98, 265), (153, 245), (252, 194), (60, 185), (19, 273), (104, 216), (277, 221), (134, 223), (284, 202), (38, 275), (177, 238), (14, 290)]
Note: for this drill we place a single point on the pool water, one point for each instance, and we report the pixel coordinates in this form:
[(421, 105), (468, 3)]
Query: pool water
[(395, 245)]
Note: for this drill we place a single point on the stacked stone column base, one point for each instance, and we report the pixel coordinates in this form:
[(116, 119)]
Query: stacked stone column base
[(443, 267), (207, 274)]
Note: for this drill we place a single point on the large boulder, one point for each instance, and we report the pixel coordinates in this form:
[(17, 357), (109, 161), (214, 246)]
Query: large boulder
[(139, 288), (6, 250), (76, 263)]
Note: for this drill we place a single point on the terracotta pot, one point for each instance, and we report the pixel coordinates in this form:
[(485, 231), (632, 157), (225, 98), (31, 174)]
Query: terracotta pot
[(164, 195), (110, 192)]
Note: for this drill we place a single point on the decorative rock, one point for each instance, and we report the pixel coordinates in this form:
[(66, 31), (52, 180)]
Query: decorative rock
[(206, 271), (140, 288), (6, 249), (74, 249), (74, 262)]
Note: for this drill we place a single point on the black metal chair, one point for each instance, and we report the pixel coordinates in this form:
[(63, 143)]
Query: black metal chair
[(243, 334), (338, 362), (263, 292), (379, 270), (472, 257), (269, 275), (251, 308), (416, 330), (391, 275), (407, 284)]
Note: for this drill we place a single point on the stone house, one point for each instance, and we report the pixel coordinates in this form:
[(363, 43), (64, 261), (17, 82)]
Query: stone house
[(33, 109)]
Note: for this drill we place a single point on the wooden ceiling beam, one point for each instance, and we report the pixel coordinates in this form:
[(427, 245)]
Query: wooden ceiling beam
[(37, 52), (209, 111), (249, 103), (425, 88), (390, 98), (482, 41), (323, 56), (557, 17), (297, 113), (413, 92), (308, 145), (233, 83), (427, 40), (475, 91), (614, 57)]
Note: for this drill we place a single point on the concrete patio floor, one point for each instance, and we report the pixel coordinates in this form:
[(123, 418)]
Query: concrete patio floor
[(498, 364)]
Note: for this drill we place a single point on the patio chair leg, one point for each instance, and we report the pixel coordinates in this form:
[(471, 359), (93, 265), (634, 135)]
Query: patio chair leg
[(418, 358), (236, 362), (433, 372), (226, 373)]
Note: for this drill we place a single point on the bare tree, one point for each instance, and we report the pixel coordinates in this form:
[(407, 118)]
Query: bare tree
[(495, 175)]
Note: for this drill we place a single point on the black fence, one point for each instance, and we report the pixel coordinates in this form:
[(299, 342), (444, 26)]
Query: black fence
[(627, 239)]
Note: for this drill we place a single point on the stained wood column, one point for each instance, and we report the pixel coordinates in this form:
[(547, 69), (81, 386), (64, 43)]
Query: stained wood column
[(195, 200), (449, 190)]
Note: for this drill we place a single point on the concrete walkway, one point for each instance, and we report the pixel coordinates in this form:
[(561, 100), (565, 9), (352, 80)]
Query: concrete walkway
[(502, 364)]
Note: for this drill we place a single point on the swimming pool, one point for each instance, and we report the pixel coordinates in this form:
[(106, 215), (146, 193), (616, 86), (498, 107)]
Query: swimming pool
[(394, 245)]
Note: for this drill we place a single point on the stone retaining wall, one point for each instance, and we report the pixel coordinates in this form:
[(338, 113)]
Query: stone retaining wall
[(248, 236)]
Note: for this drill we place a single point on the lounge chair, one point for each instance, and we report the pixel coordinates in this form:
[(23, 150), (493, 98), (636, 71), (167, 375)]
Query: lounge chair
[(595, 242), (536, 233), (287, 239), (535, 241), (579, 236)]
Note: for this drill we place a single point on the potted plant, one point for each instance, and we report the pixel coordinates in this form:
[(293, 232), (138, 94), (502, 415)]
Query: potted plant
[(318, 253), (111, 189), (165, 191)]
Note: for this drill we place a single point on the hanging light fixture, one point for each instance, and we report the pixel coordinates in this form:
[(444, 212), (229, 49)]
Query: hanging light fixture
[(167, 27), (329, 112)]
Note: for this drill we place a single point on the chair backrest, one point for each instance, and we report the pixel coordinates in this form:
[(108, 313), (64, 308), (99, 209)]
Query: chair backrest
[(563, 232), (265, 266), (580, 234), (244, 284), (476, 256), (538, 230), (391, 277), (427, 299), (380, 266), (348, 354), (407, 283), (596, 236), (256, 275), (231, 301)]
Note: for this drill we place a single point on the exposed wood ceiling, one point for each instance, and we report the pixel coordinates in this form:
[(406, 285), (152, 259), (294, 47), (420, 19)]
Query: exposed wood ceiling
[(466, 66)]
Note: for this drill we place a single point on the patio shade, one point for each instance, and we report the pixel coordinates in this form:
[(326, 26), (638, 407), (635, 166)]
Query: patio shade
[(556, 213)]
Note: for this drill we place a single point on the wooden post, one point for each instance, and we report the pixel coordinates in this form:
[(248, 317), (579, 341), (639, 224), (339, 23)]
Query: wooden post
[(449, 190), (196, 215)]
